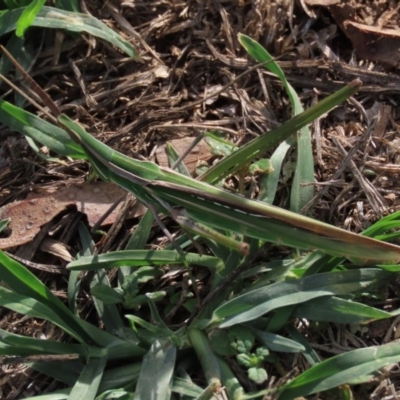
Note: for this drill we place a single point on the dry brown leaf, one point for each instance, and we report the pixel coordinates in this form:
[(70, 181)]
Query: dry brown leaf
[(367, 31), (27, 216), (374, 43)]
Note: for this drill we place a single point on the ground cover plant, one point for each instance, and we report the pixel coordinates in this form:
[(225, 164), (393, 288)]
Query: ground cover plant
[(219, 308)]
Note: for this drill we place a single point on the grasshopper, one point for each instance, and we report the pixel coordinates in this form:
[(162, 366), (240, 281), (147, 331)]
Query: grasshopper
[(197, 206)]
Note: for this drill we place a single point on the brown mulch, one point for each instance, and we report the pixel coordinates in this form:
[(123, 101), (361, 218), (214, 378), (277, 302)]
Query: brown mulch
[(189, 50)]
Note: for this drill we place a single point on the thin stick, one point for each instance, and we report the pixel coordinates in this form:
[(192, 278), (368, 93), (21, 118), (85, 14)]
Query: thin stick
[(29, 99), (187, 151), (43, 95), (106, 214)]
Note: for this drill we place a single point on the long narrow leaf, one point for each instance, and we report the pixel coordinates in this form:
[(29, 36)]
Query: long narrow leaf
[(340, 370), (256, 303), (137, 258), (51, 136), (278, 343), (49, 17), (39, 346), (27, 306), (207, 358), (88, 383), (66, 372), (301, 191), (257, 147), (155, 379), (186, 387), (23, 282), (28, 16), (338, 310)]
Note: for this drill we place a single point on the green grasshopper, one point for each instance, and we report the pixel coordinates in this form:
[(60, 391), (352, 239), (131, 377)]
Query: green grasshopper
[(197, 206)]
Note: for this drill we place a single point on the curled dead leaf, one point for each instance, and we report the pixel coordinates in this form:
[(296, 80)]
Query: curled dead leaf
[(56, 248)]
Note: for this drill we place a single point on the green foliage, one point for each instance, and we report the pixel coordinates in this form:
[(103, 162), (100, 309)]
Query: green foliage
[(128, 293), (49, 17), (28, 16), (219, 146), (302, 191), (243, 341)]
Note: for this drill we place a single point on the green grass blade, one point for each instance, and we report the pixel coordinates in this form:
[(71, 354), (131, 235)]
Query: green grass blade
[(340, 370), (108, 313), (155, 379), (22, 345), (28, 15), (301, 194), (106, 294), (302, 190), (49, 17), (89, 380), (390, 222), (23, 282), (276, 342), (153, 328), (4, 223), (124, 376), (185, 387), (138, 258), (66, 372), (33, 308), (269, 184), (309, 353), (55, 138), (256, 303), (230, 382), (233, 213), (142, 232), (101, 155), (173, 156), (206, 356), (258, 146), (226, 211), (36, 150), (280, 318), (341, 311), (74, 281)]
